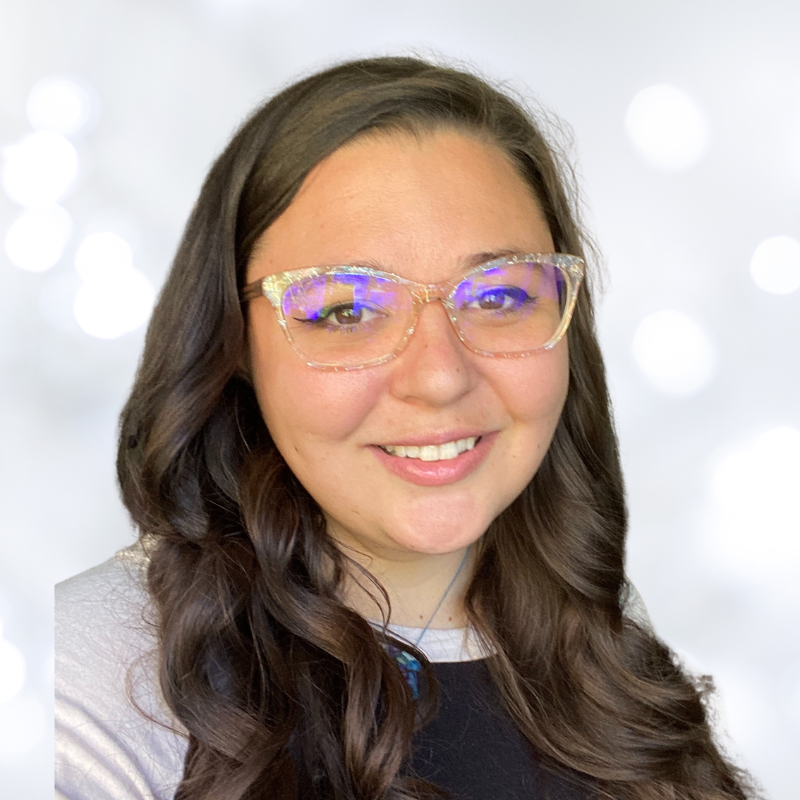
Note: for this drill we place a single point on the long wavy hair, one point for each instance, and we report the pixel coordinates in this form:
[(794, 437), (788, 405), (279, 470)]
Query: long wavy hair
[(284, 690)]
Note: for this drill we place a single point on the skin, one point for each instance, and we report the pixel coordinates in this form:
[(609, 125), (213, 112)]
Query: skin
[(421, 208)]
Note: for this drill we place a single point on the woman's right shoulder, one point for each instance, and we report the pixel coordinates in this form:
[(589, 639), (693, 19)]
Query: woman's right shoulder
[(122, 574), (115, 736), (107, 603)]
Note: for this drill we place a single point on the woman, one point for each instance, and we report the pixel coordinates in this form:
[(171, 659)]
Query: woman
[(371, 455)]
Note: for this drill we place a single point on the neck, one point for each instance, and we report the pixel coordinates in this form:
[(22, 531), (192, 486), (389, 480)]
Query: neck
[(415, 584)]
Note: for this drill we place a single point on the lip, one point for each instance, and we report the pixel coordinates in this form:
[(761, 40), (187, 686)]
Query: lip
[(436, 473), (434, 438)]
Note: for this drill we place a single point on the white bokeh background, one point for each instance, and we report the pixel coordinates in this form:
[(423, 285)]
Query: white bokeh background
[(686, 122)]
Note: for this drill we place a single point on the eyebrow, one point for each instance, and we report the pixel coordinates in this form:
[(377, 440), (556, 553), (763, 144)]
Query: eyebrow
[(477, 259), (466, 263)]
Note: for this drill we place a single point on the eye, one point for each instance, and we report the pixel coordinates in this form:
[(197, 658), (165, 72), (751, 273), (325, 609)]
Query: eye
[(504, 299), (343, 316), (346, 314)]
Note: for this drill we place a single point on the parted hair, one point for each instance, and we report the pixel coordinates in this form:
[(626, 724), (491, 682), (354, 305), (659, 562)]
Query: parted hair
[(284, 690)]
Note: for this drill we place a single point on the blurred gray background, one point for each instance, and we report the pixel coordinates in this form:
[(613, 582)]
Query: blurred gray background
[(686, 123)]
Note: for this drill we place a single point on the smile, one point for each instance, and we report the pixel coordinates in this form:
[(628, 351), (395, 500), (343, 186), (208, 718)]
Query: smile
[(436, 464), (432, 452)]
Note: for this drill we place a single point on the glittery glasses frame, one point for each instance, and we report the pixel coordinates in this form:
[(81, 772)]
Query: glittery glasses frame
[(273, 288)]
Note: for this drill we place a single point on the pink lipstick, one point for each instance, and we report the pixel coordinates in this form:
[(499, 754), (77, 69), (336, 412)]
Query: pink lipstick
[(437, 473)]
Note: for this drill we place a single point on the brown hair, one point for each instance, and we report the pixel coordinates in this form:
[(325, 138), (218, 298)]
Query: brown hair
[(285, 691)]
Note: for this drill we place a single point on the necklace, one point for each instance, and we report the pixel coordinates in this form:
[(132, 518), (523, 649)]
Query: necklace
[(443, 597), (408, 664)]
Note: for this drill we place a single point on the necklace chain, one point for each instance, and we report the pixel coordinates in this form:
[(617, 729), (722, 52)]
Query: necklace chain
[(442, 599)]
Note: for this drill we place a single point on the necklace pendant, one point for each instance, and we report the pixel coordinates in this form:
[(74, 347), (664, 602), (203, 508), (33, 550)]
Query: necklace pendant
[(409, 667)]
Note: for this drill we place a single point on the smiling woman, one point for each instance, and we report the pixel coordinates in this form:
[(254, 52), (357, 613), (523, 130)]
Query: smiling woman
[(370, 453), (339, 431)]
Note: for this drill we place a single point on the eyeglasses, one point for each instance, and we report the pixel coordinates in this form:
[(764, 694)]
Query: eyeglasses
[(353, 317)]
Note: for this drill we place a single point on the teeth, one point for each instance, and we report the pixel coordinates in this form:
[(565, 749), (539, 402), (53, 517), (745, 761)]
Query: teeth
[(432, 452), (448, 450)]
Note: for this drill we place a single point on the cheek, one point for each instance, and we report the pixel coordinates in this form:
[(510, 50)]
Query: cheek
[(535, 397), (303, 406), (313, 409)]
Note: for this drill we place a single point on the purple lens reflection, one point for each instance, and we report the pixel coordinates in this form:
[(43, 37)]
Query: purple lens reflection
[(511, 308), (345, 318)]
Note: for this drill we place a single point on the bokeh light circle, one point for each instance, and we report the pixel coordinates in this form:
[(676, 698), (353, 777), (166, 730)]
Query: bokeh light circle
[(115, 304), (775, 265), (61, 104), (35, 240), (101, 255), (757, 504), (674, 353), (40, 169), (667, 127)]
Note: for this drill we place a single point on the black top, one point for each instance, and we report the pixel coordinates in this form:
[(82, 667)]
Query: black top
[(474, 750)]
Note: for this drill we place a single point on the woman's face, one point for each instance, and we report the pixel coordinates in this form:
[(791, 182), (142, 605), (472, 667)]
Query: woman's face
[(422, 208)]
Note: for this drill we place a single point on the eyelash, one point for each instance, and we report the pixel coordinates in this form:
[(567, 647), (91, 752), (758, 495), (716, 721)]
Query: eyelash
[(322, 319), (509, 292)]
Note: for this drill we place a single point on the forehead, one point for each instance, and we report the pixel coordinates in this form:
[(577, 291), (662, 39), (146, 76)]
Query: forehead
[(418, 206)]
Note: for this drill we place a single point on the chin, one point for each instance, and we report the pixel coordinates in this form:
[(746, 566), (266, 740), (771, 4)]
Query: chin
[(437, 537)]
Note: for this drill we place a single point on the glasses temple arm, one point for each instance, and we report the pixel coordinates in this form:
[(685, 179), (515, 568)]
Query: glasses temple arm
[(251, 291)]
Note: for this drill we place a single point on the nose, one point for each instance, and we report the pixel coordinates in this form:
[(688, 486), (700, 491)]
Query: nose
[(435, 368)]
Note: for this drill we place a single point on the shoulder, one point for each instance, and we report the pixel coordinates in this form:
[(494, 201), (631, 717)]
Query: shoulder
[(108, 592), (114, 735), (103, 620)]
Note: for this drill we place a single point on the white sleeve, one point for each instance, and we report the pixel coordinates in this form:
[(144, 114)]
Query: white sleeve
[(106, 748)]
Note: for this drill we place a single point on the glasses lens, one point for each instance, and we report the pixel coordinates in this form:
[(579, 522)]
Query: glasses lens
[(511, 308), (346, 319)]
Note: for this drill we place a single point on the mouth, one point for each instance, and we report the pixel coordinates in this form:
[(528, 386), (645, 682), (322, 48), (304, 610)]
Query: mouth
[(454, 458), (432, 452)]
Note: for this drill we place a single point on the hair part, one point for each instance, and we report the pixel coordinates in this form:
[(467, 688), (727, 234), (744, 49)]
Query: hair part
[(284, 690)]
